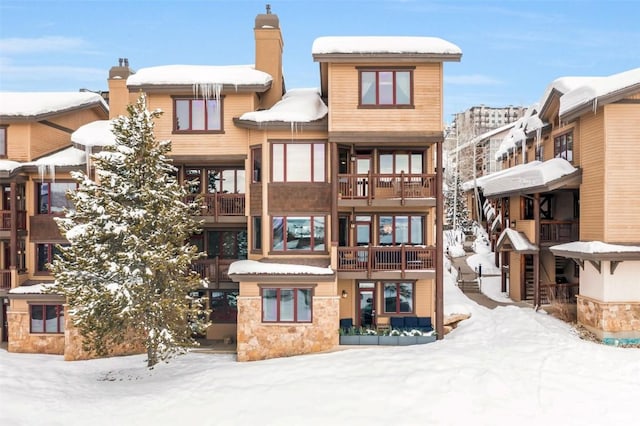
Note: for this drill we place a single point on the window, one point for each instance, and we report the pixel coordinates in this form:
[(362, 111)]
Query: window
[(198, 115), (397, 162), (224, 306), (52, 197), (540, 153), (298, 162), (298, 233), (3, 141), (218, 180), (563, 146), (227, 244), (45, 254), (398, 298), (386, 87), (286, 304), (47, 318), (256, 161), (256, 233), (395, 230)]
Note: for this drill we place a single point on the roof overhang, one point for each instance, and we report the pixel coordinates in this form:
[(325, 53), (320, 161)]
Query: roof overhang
[(188, 88), (571, 180), (317, 125), (612, 255), (512, 240), (593, 103), (376, 57), (365, 137)]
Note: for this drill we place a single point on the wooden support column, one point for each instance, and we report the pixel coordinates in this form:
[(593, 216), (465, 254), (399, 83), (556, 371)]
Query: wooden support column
[(13, 233), (333, 152), (439, 246), (536, 256)]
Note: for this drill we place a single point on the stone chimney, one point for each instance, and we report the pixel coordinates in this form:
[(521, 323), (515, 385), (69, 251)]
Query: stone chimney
[(118, 93), (269, 46)]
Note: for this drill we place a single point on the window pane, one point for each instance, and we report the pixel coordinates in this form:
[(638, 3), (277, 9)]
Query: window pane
[(390, 297), (269, 304), (197, 114), (213, 246), (3, 141), (51, 322), (213, 176), (278, 162), (61, 319), (368, 87), (402, 163), (286, 304), (298, 163), (182, 115), (298, 233), (257, 164), (318, 233), (386, 230), (416, 230), (278, 231), (228, 245), (43, 256), (304, 304), (318, 162), (385, 88), (416, 163), (401, 230), (241, 238), (403, 87), (406, 297), (58, 196), (228, 181), (257, 233), (37, 314), (213, 115), (386, 163), (192, 177), (239, 182)]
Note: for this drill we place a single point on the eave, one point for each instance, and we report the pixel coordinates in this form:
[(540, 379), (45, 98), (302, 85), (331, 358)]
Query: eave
[(283, 278), (569, 180), (591, 104), (8, 119), (317, 125), (386, 57), (188, 88), (368, 137)]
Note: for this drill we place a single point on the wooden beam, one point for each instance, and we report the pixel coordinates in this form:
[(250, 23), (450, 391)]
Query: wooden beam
[(613, 265), (439, 240), (596, 264), (536, 256)]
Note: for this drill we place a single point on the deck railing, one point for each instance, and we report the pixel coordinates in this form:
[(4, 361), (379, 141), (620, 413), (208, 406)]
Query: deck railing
[(220, 204), (5, 223), (383, 258), (5, 279), (215, 270), (561, 231), (386, 186)]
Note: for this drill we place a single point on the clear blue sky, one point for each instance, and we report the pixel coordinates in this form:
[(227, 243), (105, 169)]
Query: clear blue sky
[(512, 49)]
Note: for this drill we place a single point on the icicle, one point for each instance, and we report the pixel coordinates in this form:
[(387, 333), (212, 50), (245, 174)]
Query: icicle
[(42, 168), (207, 90), (595, 105), (52, 172), (87, 156)]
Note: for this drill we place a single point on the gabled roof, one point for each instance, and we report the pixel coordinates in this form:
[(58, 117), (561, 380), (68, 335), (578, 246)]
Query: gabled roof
[(363, 49), (512, 240), (599, 91), (23, 106), (202, 78), (596, 251), (557, 88)]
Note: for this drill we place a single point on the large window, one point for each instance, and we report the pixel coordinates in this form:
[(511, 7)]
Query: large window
[(385, 87), (198, 115), (52, 197), (394, 230), (286, 304), (298, 233), (47, 318), (398, 162), (224, 244), (256, 165), (563, 146), (398, 297), (45, 254), (214, 180), (3, 141), (298, 162)]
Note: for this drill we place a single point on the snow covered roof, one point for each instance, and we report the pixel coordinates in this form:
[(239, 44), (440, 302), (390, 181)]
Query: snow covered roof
[(531, 177), (382, 46), (169, 75), (296, 106), (70, 156), (598, 91), (558, 87), (253, 267), (30, 105), (510, 239), (596, 250), (517, 136), (8, 165), (41, 288), (96, 133)]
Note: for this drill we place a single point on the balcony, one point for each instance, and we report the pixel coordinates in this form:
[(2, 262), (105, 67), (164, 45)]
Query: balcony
[(371, 259), (559, 231), (220, 204), (372, 187), (5, 279), (5, 225), (216, 270)]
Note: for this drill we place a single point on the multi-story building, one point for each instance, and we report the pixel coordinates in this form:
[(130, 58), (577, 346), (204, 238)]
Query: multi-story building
[(568, 203), (319, 206)]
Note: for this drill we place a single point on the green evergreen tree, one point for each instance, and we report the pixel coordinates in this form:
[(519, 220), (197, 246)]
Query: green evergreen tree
[(454, 196), (127, 271)]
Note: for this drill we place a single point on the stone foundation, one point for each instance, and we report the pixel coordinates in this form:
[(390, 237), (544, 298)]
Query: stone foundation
[(610, 321), (21, 340), (73, 346), (257, 340)]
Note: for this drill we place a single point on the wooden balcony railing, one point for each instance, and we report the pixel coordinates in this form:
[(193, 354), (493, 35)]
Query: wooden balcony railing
[(395, 258), (386, 186), (216, 270), (559, 231), (221, 204), (5, 224), (5, 279)]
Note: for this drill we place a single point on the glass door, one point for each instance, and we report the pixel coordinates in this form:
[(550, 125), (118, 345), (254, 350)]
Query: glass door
[(366, 305), (363, 166)]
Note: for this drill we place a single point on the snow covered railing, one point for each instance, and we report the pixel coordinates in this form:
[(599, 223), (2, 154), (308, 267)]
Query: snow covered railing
[(386, 186)]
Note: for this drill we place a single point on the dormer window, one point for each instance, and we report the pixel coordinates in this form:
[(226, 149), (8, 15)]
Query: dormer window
[(197, 115), (386, 87)]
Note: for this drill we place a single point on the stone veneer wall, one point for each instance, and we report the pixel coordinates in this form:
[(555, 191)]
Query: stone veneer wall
[(258, 341), (609, 318), (21, 340)]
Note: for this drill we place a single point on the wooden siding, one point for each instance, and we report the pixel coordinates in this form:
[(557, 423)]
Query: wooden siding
[(592, 189), (344, 114), (622, 157), (18, 137)]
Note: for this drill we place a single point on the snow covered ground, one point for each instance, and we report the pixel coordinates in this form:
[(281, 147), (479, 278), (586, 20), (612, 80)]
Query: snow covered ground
[(502, 367)]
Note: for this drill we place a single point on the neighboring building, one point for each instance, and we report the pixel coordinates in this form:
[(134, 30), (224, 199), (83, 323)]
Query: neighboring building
[(35, 159), (568, 200), (319, 206)]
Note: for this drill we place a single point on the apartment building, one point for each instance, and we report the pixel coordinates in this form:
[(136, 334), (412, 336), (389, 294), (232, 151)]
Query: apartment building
[(319, 205), (567, 199)]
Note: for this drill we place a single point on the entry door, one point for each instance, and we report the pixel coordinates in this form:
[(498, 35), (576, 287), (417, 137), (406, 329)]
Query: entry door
[(367, 305), (363, 165)]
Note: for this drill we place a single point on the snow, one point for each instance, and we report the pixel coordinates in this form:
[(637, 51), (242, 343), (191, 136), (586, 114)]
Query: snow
[(32, 289), (255, 267), (518, 240), (596, 88), (96, 133), (8, 165), (593, 247), (26, 104), (296, 106), (500, 367), (563, 85), (530, 175), (381, 45), (236, 75), (67, 157)]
